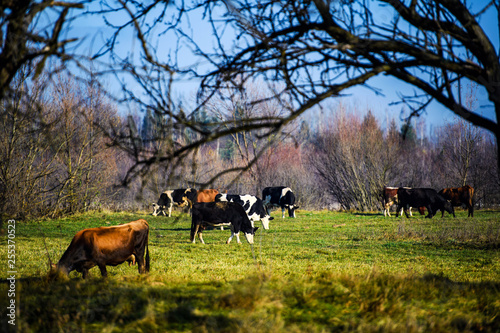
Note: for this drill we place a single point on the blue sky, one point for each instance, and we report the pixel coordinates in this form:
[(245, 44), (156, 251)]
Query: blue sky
[(363, 98)]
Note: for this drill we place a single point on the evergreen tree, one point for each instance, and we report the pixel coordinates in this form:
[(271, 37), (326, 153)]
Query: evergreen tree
[(408, 134)]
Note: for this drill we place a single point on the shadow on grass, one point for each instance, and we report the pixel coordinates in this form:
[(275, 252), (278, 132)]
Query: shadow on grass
[(147, 303), (367, 214), (98, 304), (172, 229)]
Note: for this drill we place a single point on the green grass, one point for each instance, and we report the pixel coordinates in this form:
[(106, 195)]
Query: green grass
[(322, 272)]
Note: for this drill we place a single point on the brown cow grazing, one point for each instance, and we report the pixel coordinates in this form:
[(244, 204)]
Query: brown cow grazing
[(107, 246), (458, 196)]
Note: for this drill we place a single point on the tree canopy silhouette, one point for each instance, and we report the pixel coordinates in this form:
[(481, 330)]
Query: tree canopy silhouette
[(307, 51)]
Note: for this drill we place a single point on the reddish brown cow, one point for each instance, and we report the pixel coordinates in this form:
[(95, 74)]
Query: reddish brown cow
[(206, 195), (107, 246), (458, 196), (389, 198)]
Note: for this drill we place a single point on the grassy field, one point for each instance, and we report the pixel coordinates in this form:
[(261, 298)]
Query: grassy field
[(322, 272)]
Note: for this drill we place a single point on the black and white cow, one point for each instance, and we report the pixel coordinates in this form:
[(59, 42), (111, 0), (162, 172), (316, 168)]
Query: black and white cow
[(423, 197), (280, 196), (254, 207), (221, 213), (181, 197)]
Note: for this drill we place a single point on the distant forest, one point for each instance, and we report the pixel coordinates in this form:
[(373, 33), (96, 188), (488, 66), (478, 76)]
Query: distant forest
[(59, 154)]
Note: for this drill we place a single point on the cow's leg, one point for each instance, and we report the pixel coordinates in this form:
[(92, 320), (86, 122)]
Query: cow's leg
[(410, 212), (200, 234), (85, 273), (237, 234), (431, 212), (194, 231), (387, 210), (232, 235), (283, 212), (400, 211), (141, 265), (170, 210), (104, 272), (406, 208), (139, 258)]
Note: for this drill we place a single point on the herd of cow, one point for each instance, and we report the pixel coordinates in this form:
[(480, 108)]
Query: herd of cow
[(427, 198), (211, 208), (111, 246)]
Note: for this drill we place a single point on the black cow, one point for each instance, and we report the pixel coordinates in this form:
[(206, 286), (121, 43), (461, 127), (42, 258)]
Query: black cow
[(254, 207), (180, 197), (280, 196), (423, 197), (221, 213), (390, 197), (107, 246)]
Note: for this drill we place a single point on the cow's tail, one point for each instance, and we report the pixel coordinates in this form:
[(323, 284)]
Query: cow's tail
[(147, 253)]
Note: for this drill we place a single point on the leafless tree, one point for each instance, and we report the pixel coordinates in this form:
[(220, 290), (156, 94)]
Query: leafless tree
[(313, 49), (86, 166), (54, 158), (32, 32), (26, 159), (349, 159), (305, 51), (319, 48)]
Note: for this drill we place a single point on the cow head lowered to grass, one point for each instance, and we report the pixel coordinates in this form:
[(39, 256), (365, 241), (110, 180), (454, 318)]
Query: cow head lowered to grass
[(180, 197), (106, 246), (218, 214), (458, 196), (423, 197), (253, 206), (280, 196)]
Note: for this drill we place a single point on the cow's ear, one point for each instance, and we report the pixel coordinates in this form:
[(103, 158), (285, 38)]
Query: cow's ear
[(271, 218), (255, 229)]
